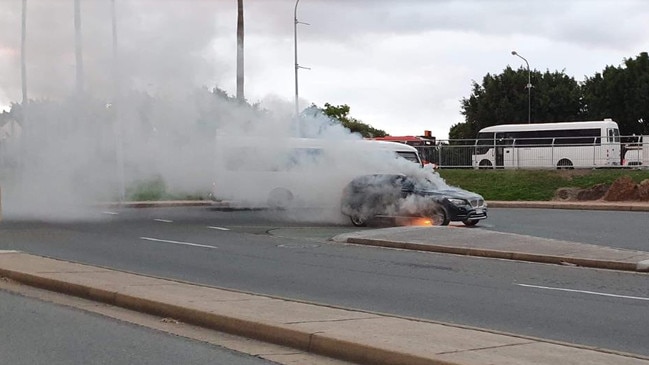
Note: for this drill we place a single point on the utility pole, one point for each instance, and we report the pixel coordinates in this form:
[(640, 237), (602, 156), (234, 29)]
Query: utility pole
[(116, 108), (240, 64), (78, 46), (297, 66), (23, 62)]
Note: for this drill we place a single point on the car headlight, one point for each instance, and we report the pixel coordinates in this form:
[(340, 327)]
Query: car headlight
[(457, 201)]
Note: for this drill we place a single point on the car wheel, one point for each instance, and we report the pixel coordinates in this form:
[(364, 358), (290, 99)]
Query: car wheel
[(358, 221), (279, 198), (470, 222), (439, 216)]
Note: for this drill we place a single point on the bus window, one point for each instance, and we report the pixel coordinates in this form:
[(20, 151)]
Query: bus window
[(484, 143)]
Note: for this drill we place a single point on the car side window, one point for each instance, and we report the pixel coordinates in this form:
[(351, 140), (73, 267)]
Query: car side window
[(407, 185)]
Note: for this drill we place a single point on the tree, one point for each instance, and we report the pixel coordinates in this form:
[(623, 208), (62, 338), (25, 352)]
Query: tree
[(620, 93), (503, 99), (341, 114)]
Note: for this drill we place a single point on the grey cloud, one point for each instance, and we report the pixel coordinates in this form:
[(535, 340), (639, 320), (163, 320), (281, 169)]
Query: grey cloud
[(162, 44), (605, 23)]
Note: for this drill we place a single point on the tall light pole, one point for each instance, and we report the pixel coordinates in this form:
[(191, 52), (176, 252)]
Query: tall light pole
[(297, 66), (78, 46), (529, 88), (240, 64), (23, 64), (116, 109)]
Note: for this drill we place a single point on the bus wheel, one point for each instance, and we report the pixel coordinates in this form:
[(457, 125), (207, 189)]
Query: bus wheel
[(279, 198), (485, 164), (564, 164)]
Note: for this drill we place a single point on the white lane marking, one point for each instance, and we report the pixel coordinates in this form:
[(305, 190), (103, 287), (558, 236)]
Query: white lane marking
[(111, 213), (584, 292), (163, 220), (219, 228), (176, 242)]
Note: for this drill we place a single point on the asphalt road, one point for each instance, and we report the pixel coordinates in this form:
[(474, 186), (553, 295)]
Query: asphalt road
[(37, 332), (614, 229), (259, 252)]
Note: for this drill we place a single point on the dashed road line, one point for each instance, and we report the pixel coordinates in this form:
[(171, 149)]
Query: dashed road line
[(219, 228), (584, 292), (163, 220), (176, 242)]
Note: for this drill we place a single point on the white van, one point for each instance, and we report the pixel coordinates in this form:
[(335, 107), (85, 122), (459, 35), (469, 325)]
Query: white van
[(284, 172)]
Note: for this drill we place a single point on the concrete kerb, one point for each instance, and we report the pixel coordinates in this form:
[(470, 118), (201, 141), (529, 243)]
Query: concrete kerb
[(301, 340), (642, 266), (583, 205)]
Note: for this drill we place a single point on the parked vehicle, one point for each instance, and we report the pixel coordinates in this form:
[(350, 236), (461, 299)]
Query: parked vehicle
[(549, 145), (370, 196)]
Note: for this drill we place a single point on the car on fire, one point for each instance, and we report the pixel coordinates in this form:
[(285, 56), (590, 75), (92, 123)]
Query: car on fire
[(396, 195)]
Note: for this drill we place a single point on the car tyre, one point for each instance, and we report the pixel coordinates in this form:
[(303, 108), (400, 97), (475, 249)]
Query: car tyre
[(470, 222), (358, 221), (279, 198), (439, 216)]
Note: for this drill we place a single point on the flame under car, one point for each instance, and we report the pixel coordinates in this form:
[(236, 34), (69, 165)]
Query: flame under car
[(379, 195)]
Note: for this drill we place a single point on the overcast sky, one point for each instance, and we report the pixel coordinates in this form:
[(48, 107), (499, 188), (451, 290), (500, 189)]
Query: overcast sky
[(402, 66)]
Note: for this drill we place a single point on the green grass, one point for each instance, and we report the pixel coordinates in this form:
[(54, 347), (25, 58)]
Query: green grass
[(523, 185), (529, 185), (155, 190)]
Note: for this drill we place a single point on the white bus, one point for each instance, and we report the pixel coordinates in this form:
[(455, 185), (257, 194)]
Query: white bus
[(549, 145), (288, 172)]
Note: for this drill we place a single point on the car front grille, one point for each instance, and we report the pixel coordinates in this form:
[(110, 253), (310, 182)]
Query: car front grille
[(476, 202)]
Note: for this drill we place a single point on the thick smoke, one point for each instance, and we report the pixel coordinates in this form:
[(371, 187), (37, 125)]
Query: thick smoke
[(148, 117)]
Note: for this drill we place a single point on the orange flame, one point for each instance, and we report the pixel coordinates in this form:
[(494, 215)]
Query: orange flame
[(421, 222)]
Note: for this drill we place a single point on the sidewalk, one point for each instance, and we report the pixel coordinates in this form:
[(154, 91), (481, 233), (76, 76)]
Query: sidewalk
[(358, 336)]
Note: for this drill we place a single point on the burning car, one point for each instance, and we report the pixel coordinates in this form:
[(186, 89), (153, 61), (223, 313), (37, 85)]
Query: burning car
[(396, 195)]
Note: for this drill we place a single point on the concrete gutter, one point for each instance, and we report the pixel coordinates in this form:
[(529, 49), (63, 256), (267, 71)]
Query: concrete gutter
[(350, 335)]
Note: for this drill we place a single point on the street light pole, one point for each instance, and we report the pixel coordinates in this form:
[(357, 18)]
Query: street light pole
[(297, 65), (295, 51), (529, 88)]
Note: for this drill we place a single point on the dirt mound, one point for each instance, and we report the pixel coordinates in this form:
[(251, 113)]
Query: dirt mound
[(622, 189)]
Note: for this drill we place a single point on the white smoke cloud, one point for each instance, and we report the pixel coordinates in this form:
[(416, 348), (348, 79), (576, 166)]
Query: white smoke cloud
[(78, 150)]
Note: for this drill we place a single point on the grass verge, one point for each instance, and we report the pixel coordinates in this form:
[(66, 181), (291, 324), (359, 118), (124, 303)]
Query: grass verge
[(531, 185)]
